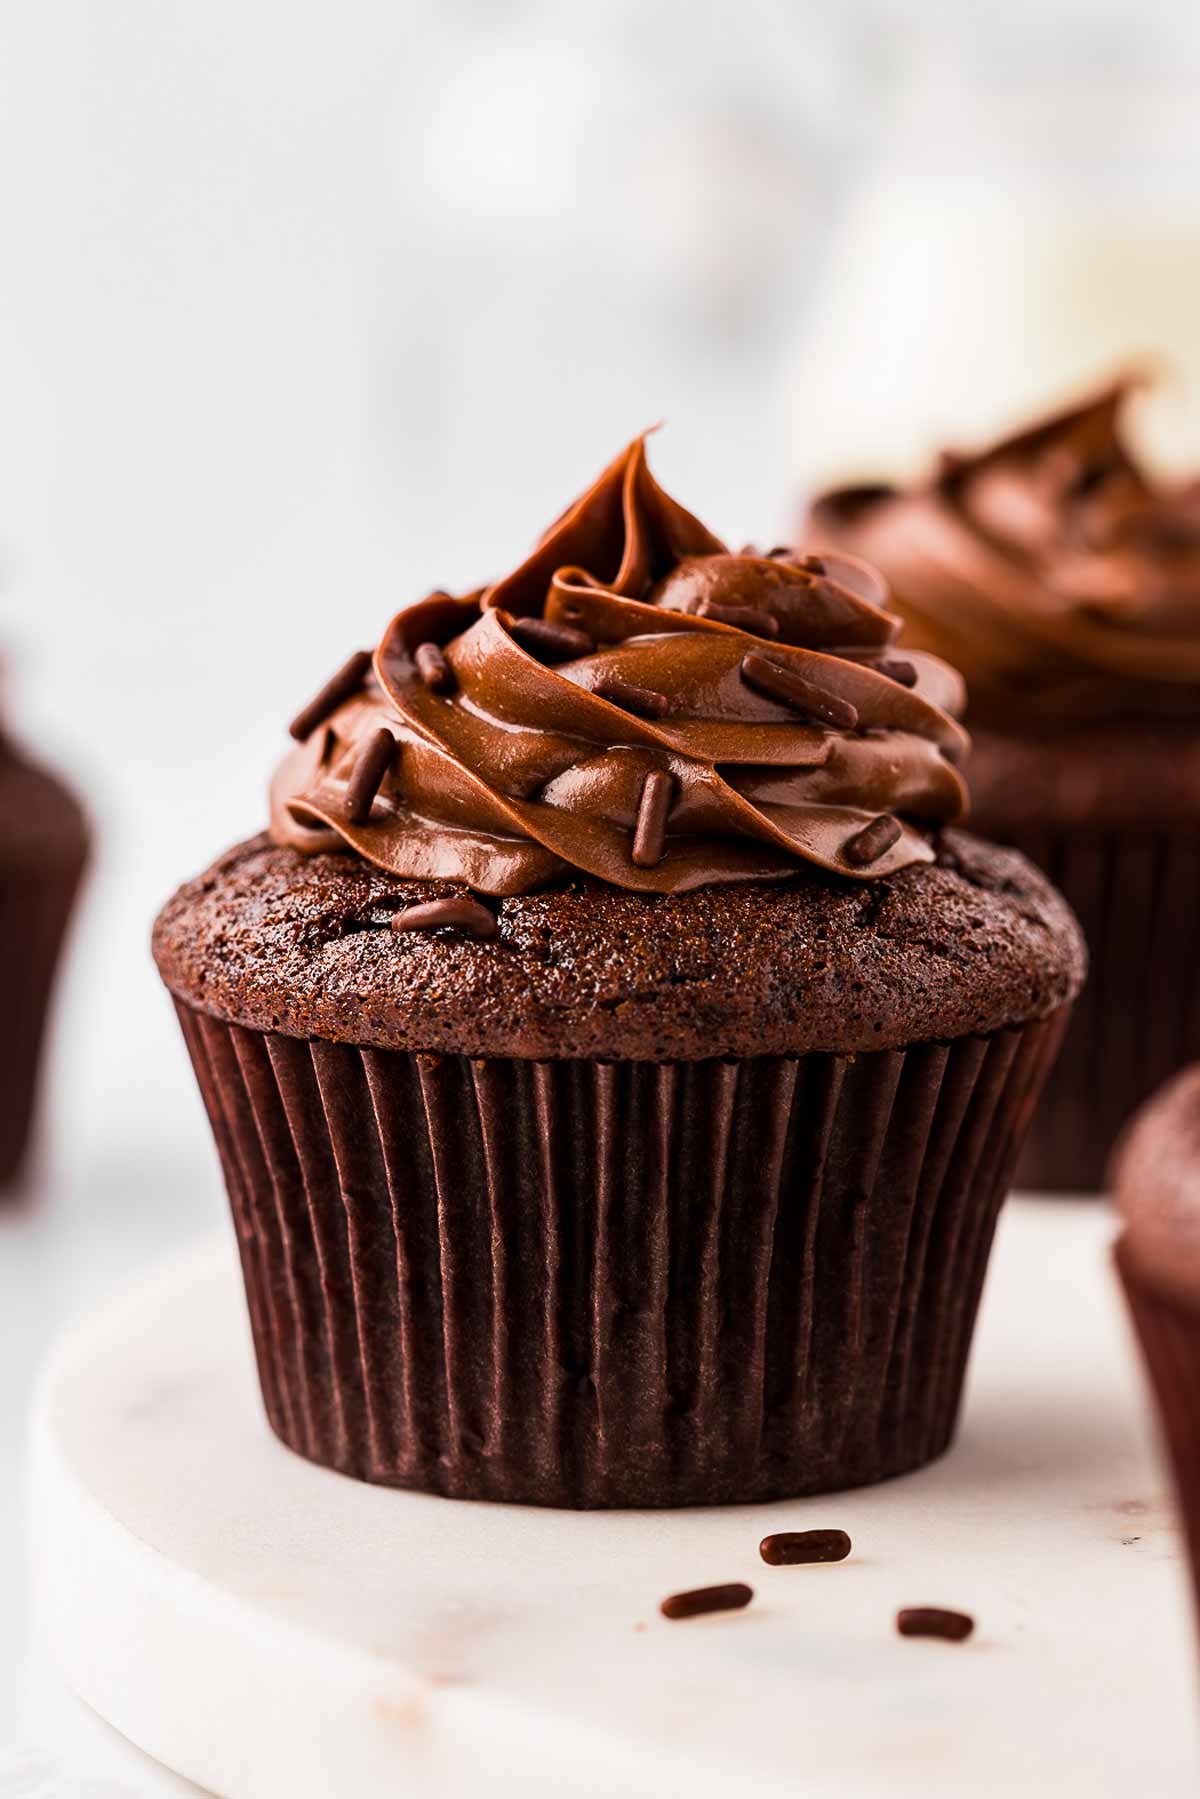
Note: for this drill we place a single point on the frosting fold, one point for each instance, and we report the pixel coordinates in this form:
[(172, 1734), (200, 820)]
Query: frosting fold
[(524, 751)]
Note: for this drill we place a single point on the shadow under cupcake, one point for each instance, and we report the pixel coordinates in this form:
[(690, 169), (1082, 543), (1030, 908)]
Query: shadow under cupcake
[(615, 1064), (1064, 582)]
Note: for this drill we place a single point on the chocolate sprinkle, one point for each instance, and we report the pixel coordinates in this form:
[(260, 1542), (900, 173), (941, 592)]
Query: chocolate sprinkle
[(896, 669), (790, 1548), (348, 680), (933, 1621), (866, 846), (373, 763), (729, 1598), (433, 668), (794, 690), (649, 834), (457, 910), (746, 618), (633, 698), (545, 637)]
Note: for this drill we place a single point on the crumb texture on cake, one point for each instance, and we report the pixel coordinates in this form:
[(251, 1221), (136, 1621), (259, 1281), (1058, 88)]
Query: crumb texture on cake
[(302, 945)]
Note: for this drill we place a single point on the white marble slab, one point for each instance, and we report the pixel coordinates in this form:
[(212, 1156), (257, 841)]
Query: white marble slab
[(266, 1628)]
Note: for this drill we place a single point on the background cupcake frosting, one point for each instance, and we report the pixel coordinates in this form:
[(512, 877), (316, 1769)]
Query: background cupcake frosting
[(1058, 571)]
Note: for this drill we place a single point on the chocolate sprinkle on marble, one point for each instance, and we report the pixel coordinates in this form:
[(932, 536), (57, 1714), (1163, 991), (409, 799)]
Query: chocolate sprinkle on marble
[(866, 846), (373, 763), (633, 698), (934, 1621), (458, 911), (729, 1598), (347, 681), (433, 668), (791, 1548), (649, 835), (545, 637), (746, 618), (794, 690)]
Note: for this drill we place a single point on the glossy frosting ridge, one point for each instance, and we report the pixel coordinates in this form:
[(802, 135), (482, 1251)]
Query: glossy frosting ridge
[(756, 697)]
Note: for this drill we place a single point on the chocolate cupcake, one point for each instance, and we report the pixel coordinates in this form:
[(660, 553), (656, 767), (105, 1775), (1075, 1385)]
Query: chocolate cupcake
[(1065, 584), (1156, 1178), (615, 1064), (43, 849)]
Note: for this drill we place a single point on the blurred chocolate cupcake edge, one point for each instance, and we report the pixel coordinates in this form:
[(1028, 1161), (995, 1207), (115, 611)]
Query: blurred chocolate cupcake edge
[(1155, 1181), (44, 847)]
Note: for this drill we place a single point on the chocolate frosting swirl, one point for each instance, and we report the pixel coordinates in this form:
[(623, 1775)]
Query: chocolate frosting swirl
[(1050, 568), (535, 718)]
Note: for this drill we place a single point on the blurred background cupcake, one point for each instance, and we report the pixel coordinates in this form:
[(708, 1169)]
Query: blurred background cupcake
[(1032, 227), (1063, 577), (1156, 1182), (43, 849)]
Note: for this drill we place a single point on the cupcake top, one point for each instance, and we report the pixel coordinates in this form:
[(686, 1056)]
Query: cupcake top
[(308, 945), (1156, 1180), (638, 704), (1050, 567)]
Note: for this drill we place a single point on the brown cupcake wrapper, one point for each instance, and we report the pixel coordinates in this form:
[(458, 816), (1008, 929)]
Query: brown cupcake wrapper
[(1137, 897), (35, 910), (615, 1284), (1168, 1330)]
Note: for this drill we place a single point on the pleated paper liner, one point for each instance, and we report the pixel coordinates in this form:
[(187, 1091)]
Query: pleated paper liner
[(1137, 896), (615, 1284), (1168, 1330), (35, 910)]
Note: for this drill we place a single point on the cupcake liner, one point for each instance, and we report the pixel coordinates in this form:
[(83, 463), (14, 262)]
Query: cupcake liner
[(1137, 897), (615, 1284), (1168, 1329), (35, 909)]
